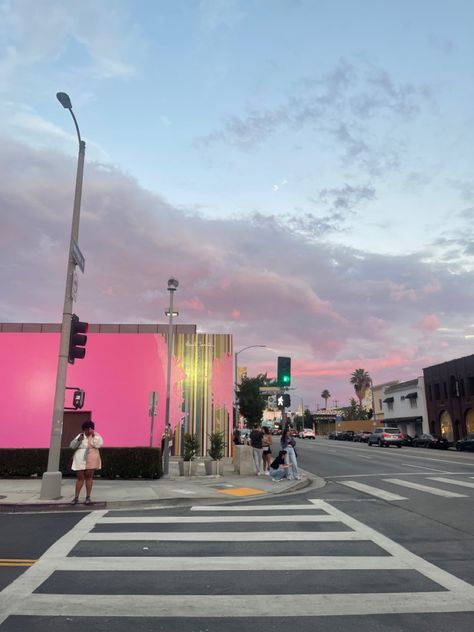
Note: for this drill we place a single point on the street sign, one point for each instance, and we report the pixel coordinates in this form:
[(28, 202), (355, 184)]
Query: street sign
[(77, 255), (153, 403)]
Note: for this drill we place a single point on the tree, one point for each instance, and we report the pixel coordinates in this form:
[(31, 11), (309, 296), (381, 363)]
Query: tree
[(325, 395), (251, 402), (354, 411), (361, 381)]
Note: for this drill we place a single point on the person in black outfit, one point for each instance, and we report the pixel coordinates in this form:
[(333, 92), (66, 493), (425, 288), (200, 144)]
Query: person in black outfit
[(256, 437), (279, 467)]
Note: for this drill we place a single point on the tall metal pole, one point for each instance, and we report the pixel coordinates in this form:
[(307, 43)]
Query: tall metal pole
[(236, 408), (51, 481), (172, 286)]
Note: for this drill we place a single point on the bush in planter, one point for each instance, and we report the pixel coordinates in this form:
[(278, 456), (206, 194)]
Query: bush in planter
[(191, 446), (216, 446)]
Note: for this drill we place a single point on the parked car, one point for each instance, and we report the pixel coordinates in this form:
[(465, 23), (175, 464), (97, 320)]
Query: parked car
[(307, 434), (466, 444), (430, 441), (385, 437), (407, 440), (362, 437), (334, 435), (347, 435)]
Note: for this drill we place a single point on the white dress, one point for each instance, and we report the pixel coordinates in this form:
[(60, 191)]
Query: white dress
[(87, 455)]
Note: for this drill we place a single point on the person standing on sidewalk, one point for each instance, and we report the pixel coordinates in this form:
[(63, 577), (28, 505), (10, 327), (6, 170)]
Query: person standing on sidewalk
[(288, 443), (256, 437), (267, 441), (86, 459)]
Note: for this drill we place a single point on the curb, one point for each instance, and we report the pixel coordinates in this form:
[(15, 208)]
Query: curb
[(121, 504)]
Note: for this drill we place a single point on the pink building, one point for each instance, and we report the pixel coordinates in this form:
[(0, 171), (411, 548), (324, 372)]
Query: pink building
[(123, 365)]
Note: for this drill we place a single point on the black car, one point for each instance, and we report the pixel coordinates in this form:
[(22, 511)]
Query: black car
[(362, 437), (466, 444), (430, 441), (407, 440)]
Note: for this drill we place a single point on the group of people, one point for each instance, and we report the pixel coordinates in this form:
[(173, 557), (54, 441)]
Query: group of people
[(284, 465)]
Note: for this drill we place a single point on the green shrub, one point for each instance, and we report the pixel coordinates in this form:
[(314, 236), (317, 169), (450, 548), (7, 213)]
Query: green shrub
[(216, 446), (116, 462), (191, 446)]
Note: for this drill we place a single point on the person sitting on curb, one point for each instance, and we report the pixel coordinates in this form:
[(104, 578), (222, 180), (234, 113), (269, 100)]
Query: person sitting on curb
[(279, 467)]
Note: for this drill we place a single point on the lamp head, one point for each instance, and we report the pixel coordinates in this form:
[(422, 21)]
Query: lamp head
[(64, 100), (172, 284)]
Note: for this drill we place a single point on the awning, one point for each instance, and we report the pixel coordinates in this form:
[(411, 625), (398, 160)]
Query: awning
[(411, 396), (388, 400)]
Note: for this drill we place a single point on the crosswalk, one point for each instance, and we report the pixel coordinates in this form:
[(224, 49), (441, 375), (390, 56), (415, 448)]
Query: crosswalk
[(433, 490), (226, 562)]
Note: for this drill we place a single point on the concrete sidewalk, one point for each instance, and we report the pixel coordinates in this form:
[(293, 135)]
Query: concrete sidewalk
[(24, 494)]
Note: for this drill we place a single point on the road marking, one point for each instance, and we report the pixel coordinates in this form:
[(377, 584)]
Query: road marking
[(242, 491), (243, 563), (261, 536), (373, 491), (280, 508), (216, 519), (14, 596), (378, 474), (16, 562), (422, 467), (424, 488), (451, 482), (236, 606)]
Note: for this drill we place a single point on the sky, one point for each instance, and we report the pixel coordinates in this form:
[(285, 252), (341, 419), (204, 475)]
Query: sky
[(304, 168)]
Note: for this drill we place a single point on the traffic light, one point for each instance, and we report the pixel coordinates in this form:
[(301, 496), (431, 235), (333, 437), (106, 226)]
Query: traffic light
[(78, 398), (78, 339), (284, 371)]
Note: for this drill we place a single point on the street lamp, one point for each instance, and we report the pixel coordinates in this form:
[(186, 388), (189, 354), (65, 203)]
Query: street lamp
[(51, 481), (172, 287), (236, 412)]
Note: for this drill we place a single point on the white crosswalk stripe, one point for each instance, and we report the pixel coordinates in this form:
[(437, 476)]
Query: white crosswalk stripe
[(450, 481), (436, 590), (373, 491), (436, 491)]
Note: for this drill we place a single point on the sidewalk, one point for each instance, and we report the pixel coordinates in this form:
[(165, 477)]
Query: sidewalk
[(24, 494)]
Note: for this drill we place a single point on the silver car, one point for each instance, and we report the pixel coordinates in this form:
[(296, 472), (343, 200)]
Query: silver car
[(386, 437)]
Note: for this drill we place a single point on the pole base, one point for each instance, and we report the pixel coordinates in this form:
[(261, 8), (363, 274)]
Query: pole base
[(51, 486)]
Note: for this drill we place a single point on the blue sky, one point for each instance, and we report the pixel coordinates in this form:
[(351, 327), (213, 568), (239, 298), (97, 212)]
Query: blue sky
[(298, 154)]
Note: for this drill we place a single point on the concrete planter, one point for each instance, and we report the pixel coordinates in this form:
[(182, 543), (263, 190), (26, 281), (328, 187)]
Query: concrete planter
[(213, 468), (187, 468)]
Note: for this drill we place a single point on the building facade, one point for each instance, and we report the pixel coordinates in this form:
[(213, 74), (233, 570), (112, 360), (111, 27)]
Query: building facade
[(450, 397), (124, 364), (404, 406)]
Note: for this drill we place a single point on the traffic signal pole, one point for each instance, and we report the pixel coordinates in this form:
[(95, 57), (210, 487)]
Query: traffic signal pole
[(51, 481)]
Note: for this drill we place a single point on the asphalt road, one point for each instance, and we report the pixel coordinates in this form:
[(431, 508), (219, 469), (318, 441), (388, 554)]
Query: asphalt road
[(390, 556)]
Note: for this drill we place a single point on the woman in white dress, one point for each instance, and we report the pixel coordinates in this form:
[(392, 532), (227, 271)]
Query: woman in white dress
[(86, 459)]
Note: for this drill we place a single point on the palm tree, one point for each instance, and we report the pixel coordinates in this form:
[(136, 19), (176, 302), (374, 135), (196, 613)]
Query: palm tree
[(325, 395), (362, 381)]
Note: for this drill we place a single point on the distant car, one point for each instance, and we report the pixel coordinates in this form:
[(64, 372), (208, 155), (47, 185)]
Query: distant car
[(385, 437), (307, 434), (430, 441), (466, 444), (333, 435), (347, 435), (362, 437)]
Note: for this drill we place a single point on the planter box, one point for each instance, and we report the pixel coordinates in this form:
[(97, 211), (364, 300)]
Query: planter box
[(187, 468), (213, 468)]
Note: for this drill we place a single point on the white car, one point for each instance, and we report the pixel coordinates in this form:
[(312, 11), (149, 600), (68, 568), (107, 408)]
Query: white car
[(307, 434)]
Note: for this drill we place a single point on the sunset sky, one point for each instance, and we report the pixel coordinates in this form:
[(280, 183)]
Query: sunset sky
[(304, 168)]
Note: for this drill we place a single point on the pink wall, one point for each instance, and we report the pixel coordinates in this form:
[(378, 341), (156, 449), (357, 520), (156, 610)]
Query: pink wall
[(118, 373)]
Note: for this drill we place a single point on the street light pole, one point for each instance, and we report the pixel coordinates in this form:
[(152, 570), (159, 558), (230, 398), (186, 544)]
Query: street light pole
[(172, 287), (51, 481), (236, 411)]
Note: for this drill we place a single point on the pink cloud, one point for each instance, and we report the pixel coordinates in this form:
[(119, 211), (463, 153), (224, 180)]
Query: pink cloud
[(428, 323)]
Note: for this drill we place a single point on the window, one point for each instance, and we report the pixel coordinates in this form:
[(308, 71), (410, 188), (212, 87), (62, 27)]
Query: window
[(470, 382), (413, 401), (390, 405), (437, 392), (445, 390), (430, 393), (380, 404)]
